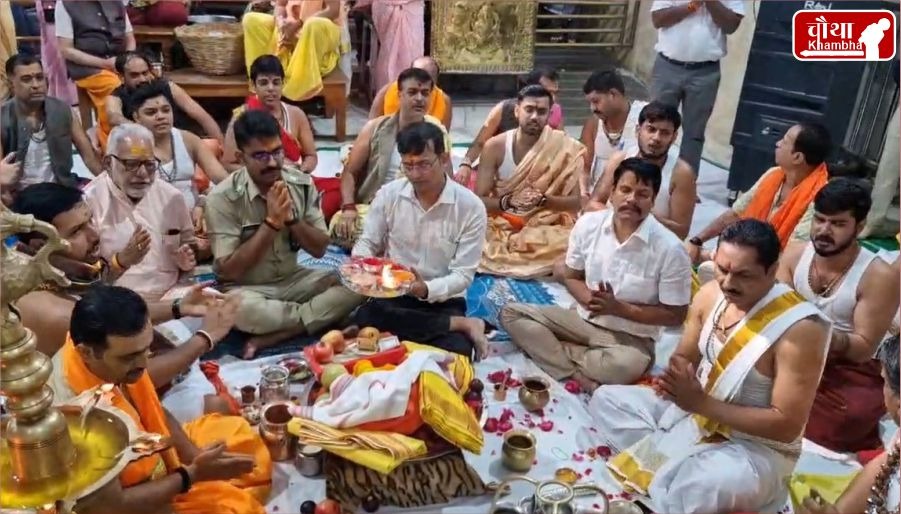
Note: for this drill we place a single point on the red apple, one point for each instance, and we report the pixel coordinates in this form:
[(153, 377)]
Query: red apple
[(328, 507), (335, 339), (323, 352), (472, 396), (476, 386)]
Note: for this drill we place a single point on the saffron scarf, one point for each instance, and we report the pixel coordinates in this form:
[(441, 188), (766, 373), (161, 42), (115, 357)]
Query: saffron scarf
[(787, 216)]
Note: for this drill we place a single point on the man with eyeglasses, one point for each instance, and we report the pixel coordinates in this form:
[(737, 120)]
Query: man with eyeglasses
[(436, 227), (258, 219), (130, 208)]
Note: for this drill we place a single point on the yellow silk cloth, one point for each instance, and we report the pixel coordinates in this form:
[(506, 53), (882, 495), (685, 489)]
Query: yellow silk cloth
[(378, 451), (99, 86), (244, 495), (316, 54), (527, 245), (830, 487), (437, 104)]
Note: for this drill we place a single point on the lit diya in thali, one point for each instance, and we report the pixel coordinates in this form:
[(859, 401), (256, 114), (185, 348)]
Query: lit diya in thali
[(377, 278)]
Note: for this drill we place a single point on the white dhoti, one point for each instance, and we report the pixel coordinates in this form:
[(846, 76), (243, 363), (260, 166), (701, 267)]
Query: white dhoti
[(689, 464), (732, 476)]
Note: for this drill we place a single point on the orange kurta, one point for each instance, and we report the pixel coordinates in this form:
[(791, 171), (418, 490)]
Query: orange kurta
[(792, 209), (244, 495)]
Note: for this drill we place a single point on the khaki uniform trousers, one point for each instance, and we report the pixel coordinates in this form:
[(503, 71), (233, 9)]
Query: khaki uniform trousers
[(312, 299), (562, 343)]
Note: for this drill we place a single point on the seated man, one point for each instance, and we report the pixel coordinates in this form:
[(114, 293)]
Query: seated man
[(528, 179), (129, 201), (859, 293), (629, 276), (267, 77), (658, 127), (435, 226), (783, 196), (374, 160), (387, 100), (258, 219), (109, 341), (40, 129), (308, 36), (720, 430), (861, 489), (613, 128), (502, 118), (91, 35), (48, 311), (134, 71)]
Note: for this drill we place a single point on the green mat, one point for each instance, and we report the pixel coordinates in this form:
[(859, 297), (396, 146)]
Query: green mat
[(882, 243)]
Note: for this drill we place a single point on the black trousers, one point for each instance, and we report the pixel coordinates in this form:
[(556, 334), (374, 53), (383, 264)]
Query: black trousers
[(414, 320)]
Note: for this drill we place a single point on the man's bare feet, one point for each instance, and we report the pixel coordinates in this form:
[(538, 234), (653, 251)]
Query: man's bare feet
[(474, 329), (257, 343), (588, 385)]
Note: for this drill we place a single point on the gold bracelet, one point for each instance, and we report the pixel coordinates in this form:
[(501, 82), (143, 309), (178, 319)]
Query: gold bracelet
[(116, 264), (209, 339)]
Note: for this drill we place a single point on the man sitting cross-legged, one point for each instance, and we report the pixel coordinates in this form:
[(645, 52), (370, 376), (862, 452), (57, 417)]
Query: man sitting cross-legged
[(48, 311), (129, 201), (436, 227), (658, 127), (859, 293), (720, 430), (374, 160), (109, 343), (258, 219), (527, 179), (630, 277)]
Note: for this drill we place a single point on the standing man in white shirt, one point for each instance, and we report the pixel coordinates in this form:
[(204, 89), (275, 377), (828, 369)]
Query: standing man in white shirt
[(436, 227), (691, 40), (630, 277)]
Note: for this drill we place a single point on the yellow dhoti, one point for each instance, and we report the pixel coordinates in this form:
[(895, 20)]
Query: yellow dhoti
[(315, 55), (99, 86)]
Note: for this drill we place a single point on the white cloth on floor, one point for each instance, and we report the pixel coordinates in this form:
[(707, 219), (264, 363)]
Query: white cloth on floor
[(735, 476), (374, 396)]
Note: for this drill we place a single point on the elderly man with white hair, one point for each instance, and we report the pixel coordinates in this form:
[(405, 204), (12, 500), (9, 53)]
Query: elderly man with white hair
[(144, 224)]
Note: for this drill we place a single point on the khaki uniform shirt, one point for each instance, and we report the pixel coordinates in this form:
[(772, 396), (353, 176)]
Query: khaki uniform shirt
[(235, 210)]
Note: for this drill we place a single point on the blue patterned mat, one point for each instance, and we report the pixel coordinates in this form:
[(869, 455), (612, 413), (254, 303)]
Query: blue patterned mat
[(488, 294)]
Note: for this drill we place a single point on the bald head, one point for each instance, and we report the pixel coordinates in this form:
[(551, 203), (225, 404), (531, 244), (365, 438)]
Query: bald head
[(428, 64)]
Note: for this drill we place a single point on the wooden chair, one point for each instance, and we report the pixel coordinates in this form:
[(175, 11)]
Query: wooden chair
[(163, 36), (334, 89)]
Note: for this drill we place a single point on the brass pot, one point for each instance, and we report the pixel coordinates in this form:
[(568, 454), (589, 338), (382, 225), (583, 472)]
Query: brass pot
[(534, 394), (518, 450)]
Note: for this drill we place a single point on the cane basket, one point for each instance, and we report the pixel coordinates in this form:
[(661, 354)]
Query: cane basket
[(214, 48)]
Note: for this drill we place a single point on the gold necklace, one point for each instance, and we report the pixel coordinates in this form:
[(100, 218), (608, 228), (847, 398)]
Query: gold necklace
[(813, 274)]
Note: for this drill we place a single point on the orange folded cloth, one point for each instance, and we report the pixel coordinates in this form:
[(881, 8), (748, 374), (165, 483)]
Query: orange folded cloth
[(787, 216)]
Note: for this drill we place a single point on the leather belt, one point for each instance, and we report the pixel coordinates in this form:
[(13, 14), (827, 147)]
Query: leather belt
[(689, 65)]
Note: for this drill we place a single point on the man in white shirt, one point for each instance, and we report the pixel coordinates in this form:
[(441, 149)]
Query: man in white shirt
[(90, 36), (630, 278), (436, 227), (691, 40)]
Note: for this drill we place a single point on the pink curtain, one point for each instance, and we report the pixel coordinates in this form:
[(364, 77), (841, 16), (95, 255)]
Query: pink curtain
[(58, 83), (400, 25)]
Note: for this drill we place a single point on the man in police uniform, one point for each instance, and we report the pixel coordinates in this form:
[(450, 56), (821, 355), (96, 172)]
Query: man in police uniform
[(258, 218)]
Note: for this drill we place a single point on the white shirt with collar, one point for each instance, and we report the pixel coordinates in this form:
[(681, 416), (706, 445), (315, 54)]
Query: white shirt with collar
[(444, 243), (650, 267), (697, 38)]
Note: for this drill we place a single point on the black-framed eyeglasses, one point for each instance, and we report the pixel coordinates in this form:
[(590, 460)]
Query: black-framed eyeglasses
[(133, 165), (264, 156)]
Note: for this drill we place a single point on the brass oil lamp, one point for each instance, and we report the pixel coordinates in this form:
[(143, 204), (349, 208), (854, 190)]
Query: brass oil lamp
[(49, 455)]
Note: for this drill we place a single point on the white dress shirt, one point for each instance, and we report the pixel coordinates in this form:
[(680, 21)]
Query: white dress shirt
[(651, 267), (696, 38), (443, 244)]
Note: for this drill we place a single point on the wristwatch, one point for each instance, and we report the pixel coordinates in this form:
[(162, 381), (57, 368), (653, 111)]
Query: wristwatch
[(696, 241)]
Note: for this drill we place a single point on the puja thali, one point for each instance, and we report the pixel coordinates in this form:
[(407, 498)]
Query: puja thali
[(376, 278)]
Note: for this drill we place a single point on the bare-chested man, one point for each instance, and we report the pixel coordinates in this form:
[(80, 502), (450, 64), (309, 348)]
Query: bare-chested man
[(721, 429), (859, 293), (658, 127), (528, 179)]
